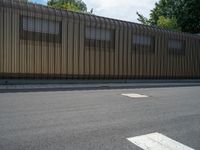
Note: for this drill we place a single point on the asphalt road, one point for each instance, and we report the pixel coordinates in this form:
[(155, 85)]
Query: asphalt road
[(97, 119)]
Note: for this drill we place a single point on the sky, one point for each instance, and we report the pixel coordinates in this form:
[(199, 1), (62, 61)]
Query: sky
[(117, 9)]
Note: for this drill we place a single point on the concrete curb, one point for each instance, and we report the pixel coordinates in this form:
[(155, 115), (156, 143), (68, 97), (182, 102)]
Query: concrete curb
[(72, 87)]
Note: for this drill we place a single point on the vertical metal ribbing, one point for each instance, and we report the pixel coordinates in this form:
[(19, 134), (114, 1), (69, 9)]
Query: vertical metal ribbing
[(12, 35), (109, 51), (147, 55), (41, 45), (104, 51), (139, 49), (78, 47), (198, 56), (100, 49), (90, 45), (84, 18), (27, 46), (192, 49), (112, 49), (177, 58), (157, 54), (3, 13), (106, 61), (132, 52), (168, 71), (184, 61), (67, 45), (31, 55), (170, 58), (94, 51), (118, 50), (152, 55), (126, 50), (72, 49), (123, 76), (163, 43), (195, 60), (84, 60), (164, 57), (1, 38), (183, 56), (115, 50), (60, 43), (48, 49)]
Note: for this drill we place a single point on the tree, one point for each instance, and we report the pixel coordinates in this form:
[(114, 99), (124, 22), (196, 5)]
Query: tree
[(143, 19), (168, 23), (189, 16), (178, 14), (74, 5)]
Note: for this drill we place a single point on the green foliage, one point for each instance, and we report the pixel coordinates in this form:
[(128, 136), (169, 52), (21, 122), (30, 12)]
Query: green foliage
[(168, 23), (189, 16), (177, 15), (73, 5), (143, 19)]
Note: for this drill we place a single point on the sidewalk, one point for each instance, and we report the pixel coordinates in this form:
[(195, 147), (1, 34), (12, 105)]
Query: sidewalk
[(93, 85)]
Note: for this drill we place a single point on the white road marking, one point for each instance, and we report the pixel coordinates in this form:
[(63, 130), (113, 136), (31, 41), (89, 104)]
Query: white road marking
[(157, 141), (134, 95)]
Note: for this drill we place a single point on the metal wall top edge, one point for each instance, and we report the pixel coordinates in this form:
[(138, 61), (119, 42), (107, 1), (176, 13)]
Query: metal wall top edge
[(16, 4)]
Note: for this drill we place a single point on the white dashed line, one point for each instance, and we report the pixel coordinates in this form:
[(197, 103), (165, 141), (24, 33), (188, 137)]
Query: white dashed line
[(157, 141), (134, 95)]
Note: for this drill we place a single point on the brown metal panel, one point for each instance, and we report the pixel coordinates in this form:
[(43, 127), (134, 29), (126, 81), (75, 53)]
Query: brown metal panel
[(63, 46), (145, 55), (111, 51), (140, 63), (198, 56), (136, 53), (116, 54), (165, 55), (1, 39), (121, 34), (97, 50), (70, 46), (133, 52), (81, 49), (71, 57), (75, 44), (171, 59), (129, 52), (86, 50), (106, 54), (8, 41), (182, 65), (125, 48)]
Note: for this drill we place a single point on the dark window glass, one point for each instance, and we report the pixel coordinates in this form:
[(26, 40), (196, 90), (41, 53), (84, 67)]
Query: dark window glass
[(97, 37), (176, 46), (144, 43), (40, 29)]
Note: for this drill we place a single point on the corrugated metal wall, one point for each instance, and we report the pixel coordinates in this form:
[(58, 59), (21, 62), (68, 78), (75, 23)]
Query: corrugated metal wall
[(25, 54)]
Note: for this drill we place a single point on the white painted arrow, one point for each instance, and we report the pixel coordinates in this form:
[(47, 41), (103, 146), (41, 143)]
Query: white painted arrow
[(134, 95), (157, 141)]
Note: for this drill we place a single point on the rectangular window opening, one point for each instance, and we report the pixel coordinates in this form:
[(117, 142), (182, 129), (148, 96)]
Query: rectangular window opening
[(145, 43), (99, 37), (38, 29), (176, 46)]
